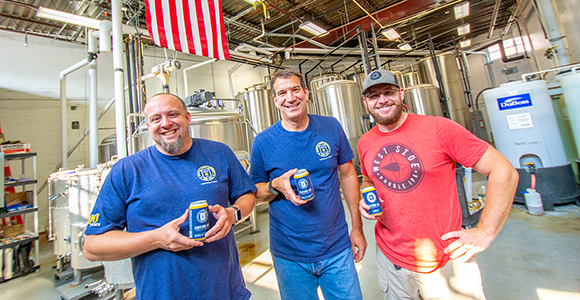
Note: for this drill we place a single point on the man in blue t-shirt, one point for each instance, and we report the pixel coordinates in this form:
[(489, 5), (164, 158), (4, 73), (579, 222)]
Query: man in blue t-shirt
[(309, 240), (147, 194)]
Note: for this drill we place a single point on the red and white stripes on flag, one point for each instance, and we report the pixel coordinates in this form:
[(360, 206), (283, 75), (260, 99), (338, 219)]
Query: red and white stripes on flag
[(190, 26)]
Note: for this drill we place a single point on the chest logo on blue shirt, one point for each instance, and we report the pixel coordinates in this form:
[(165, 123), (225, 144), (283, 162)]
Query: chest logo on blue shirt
[(323, 149), (206, 173), (398, 168)]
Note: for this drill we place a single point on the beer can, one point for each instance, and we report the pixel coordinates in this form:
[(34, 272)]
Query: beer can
[(198, 220), (304, 185), (372, 200)]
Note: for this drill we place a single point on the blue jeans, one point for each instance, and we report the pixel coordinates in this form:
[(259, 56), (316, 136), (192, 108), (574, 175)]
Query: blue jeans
[(336, 276)]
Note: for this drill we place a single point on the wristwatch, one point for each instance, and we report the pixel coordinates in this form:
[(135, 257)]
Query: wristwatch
[(272, 190), (237, 215)]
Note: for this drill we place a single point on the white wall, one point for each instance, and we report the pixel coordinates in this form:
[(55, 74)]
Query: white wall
[(30, 105)]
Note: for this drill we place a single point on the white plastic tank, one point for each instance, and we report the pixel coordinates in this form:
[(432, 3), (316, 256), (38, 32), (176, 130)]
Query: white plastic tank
[(571, 90), (524, 124)]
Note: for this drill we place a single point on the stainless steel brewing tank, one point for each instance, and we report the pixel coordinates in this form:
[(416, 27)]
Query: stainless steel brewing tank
[(258, 106), (107, 148), (342, 99), (358, 78), (423, 99), (452, 85), (212, 124), (411, 78), (399, 76), (315, 84)]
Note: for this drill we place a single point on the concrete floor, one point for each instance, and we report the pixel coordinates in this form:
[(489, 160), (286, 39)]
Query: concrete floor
[(534, 257)]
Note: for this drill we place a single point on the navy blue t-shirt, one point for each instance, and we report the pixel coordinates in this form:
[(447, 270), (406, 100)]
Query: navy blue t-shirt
[(146, 190), (316, 230)]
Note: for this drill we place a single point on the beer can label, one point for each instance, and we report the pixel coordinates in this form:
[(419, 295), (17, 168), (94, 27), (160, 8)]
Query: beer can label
[(372, 199), (304, 185), (198, 220)]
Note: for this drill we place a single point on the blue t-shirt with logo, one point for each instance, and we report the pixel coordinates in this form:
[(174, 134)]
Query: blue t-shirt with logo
[(316, 230), (147, 190)]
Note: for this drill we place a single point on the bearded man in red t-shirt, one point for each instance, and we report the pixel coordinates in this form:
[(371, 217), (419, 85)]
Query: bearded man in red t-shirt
[(410, 159)]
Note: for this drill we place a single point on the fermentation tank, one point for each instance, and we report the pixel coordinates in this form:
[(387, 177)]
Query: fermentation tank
[(212, 124), (358, 77), (526, 132), (411, 78), (342, 99), (452, 84), (423, 99), (258, 107), (107, 148), (399, 76), (315, 83)]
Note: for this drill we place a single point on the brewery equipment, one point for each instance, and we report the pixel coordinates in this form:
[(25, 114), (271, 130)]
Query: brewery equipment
[(342, 99)]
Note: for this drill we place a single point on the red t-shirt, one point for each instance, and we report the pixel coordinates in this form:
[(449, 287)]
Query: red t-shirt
[(413, 170)]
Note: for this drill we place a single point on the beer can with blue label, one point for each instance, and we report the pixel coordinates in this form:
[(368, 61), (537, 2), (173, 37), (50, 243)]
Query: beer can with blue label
[(198, 220), (304, 185), (372, 200)]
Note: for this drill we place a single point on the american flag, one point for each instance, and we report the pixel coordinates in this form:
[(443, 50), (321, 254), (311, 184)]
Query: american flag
[(190, 26)]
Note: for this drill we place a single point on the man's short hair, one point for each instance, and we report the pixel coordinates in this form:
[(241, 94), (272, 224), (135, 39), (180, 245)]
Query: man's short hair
[(181, 102), (285, 73)]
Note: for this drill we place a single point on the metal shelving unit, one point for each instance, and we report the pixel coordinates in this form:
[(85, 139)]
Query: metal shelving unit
[(14, 242)]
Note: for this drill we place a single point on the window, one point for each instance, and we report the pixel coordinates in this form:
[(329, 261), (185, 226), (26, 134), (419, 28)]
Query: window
[(494, 52), (511, 46)]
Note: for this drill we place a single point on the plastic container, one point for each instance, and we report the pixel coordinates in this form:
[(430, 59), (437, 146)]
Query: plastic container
[(15, 148), (534, 202)]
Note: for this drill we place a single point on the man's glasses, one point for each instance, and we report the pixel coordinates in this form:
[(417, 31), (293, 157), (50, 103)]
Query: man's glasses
[(390, 93)]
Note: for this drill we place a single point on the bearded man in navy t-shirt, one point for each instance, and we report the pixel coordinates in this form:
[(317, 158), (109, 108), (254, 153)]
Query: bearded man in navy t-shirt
[(147, 194), (309, 240)]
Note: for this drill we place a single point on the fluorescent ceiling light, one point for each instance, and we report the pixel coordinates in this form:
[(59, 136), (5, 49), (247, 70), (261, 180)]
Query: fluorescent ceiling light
[(61, 16), (464, 29), (391, 34), (461, 10), (313, 28), (465, 43), (405, 47)]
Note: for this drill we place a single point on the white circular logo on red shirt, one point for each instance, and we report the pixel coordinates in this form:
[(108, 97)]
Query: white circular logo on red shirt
[(398, 168)]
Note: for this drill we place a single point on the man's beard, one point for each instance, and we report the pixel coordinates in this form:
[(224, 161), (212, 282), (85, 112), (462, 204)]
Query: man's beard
[(171, 147), (391, 118)]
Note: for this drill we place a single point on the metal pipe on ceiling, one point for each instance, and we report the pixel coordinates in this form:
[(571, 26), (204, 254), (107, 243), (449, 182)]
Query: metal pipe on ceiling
[(494, 18)]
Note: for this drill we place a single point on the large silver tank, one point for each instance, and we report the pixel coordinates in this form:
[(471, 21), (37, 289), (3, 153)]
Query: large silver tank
[(212, 124), (358, 77), (452, 84), (399, 76), (258, 106), (411, 78), (423, 99), (315, 84), (342, 99), (107, 148)]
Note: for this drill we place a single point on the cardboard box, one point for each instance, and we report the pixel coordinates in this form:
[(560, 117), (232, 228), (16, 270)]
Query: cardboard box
[(11, 230), (16, 200)]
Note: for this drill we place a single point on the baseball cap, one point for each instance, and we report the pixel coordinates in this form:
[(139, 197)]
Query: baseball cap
[(379, 76)]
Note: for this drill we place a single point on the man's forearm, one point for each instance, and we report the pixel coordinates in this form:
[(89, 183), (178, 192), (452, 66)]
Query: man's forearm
[(351, 192), (246, 204), (501, 188), (498, 201), (117, 245), (263, 193)]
